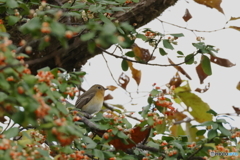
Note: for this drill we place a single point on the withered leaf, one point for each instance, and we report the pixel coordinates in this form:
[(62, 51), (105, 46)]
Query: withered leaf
[(141, 54), (201, 74), (221, 61), (212, 4), (137, 135), (236, 109), (203, 90), (111, 87), (123, 80), (175, 81), (136, 74), (187, 16), (108, 97), (238, 86), (179, 68), (234, 18), (235, 27)]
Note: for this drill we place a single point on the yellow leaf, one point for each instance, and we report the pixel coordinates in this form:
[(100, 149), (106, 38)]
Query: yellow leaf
[(111, 87), (177, 130), (136, 74), (238, 86), (198, 107), (212, 4), (185, 88), (2, 27), (191, 132)]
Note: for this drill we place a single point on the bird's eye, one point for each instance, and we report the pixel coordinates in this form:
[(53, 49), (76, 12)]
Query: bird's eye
[(99, 87)]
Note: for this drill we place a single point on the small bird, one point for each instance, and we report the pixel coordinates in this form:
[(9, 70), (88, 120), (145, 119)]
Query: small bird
[(91, 101)]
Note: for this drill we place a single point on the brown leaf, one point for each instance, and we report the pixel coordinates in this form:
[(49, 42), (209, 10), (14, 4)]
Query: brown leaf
[(137, 136), (175, 81), (201, 74), (187, 16), (111, 87), (238, 86), (237, 110), (235, 27), (108, 97), (234, 18), (123, 80), (179, 68), (203, 90), (221, 61), (136, 74), (177, 116), (212, 4), (141, 54)]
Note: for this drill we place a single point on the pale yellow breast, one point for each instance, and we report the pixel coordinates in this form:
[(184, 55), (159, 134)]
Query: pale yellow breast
[(95, 104)]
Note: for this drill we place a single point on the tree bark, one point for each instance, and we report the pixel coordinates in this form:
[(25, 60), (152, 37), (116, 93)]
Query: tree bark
[(77, 53)]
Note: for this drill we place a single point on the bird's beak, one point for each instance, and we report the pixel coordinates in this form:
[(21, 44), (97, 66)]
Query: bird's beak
[(105, 88)]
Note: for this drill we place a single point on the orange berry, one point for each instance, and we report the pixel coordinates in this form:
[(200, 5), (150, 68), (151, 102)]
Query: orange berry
[(106, 136), (20, 90), (69, 34)]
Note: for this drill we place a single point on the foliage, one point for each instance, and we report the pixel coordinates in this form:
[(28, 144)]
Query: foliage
[(41, 124)]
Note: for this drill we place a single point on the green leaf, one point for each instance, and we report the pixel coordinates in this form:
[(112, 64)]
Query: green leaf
[(212, 133), (224, 131), (141, 36), (90, 143), (62, 108), (124, 65), (177, 35), (136, 1), (180, 52), (167, 44), (32, 25), (152, 144), (57, 28), (66, 149), (3, 96), (150, 121), (189, 59), (98, 153), (162, 52), (208, 123), (199, 45), (130, 54), (161, 127), (87, 36), (154, 92), (179, 146), (12, 20), (206, 65), (212, 112), (168, 139), (12, 3), (12, 132), (122, 135), (200, 132), (43, 152)]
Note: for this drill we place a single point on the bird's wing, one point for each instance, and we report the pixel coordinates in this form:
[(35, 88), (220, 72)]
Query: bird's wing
[(84, 99)]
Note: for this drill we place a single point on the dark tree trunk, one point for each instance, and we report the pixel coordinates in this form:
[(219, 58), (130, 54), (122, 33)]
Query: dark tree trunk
[(77, 53)]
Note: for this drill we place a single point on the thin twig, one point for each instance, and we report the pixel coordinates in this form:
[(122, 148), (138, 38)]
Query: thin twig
[(110, 70), (10, 120), (150, 64), (193, 30)]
